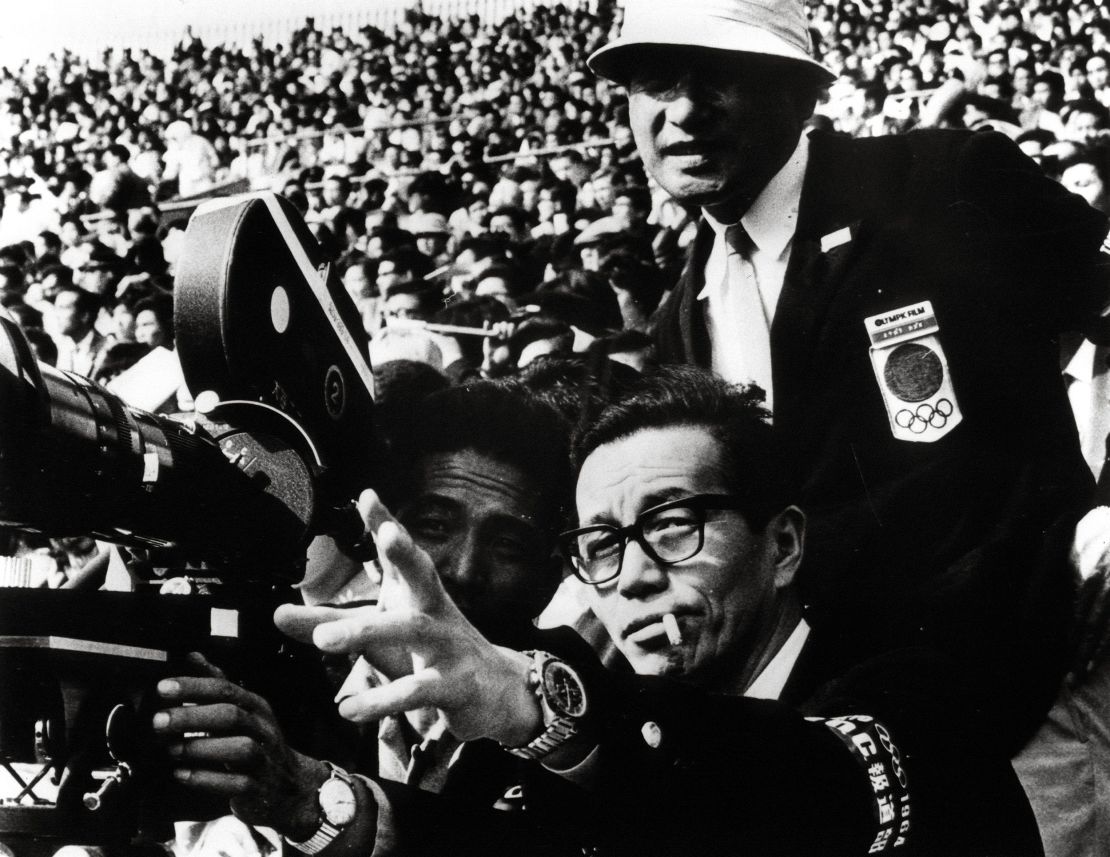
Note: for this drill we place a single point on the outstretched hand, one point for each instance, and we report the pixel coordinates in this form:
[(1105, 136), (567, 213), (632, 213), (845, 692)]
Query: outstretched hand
[(427, 651)]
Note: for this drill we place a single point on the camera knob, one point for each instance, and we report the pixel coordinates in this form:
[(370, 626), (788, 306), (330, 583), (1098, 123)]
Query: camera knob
[(93, 801)]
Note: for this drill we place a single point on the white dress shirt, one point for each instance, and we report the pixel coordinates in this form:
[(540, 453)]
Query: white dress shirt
[(773, 677), (1088, 381), (770, 223)]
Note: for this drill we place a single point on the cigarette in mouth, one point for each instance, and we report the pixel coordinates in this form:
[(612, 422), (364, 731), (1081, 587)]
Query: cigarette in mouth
[(674, 633)]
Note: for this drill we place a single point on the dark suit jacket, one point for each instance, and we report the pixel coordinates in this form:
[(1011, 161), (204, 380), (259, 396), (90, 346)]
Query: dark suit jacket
[(961, 542), (734, 776)]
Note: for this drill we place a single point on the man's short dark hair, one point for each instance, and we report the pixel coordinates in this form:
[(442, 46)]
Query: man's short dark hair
[(410, 260), (994, 109), (393, 240), (13, 275), (1102, 55), (563, 193), (350, 218), (161, 305), (369, 268), (638, 196), (51, 241), (506, 422), (754, 464), (119, 151), (1038, 135), (86, 302), (485, 246), (62, 273), (1003, 83), (1089, 106), (343, 181), (429, 298), (516, 214)]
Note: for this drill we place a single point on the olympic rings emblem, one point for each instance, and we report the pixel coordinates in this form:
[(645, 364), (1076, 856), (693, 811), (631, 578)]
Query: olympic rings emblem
[(925, 415)]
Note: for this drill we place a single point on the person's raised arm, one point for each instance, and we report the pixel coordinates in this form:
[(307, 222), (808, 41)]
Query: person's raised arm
[(420, 641)]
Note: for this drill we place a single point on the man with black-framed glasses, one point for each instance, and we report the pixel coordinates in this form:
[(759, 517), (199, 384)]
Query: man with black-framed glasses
[(719, 563), (771, 739)]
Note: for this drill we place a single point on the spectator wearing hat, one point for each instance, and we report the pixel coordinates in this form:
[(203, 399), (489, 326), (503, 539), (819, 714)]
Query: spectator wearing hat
[(190, 159), (811, 242), (100, 272), (589, 241), (432, 236)]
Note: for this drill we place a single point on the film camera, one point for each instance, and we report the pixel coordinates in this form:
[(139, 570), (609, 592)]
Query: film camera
[(231, 495)]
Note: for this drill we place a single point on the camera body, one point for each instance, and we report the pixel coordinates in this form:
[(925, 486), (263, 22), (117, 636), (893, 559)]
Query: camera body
[(281, 441)]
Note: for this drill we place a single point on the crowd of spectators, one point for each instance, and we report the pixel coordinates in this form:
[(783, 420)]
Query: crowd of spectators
[(473, 187), (398, 149), (462, 173)]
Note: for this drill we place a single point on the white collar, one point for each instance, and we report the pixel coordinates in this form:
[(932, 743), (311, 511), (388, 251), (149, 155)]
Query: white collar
[(772, 679), (1081, 367), (772, 218)]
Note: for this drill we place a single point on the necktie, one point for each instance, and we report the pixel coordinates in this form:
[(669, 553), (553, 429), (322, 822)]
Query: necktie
[(753, 330), (1090, 402)]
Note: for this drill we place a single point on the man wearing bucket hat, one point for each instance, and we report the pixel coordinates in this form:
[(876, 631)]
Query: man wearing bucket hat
[(899, 299)]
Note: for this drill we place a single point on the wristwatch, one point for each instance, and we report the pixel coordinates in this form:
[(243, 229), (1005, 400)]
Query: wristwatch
[(338, 806), (563, 703)]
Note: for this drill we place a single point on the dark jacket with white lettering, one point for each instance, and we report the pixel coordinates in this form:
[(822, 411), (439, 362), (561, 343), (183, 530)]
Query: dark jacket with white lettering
[(959, 540), (881, 756)]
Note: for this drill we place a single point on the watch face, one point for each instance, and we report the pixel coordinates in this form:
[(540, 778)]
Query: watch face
[(563, 689), (337, 800)]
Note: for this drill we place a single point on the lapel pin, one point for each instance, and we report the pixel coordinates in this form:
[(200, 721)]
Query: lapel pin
[(835, 239)]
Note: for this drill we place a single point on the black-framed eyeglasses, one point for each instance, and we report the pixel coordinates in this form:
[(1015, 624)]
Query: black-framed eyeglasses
[(668, 533)]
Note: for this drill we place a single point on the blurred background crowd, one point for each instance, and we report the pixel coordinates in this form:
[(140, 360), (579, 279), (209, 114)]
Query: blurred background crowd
[(475, 189)]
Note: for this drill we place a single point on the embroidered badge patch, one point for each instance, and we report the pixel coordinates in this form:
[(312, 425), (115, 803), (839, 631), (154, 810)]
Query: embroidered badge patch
[(912, 372)]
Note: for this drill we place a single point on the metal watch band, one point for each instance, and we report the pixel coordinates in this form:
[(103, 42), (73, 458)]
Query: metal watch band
[(326, 832), (319, 840), (556, 733), (558, 729)]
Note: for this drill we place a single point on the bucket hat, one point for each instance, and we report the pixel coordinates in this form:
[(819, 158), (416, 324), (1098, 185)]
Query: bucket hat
[(774, 28)]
